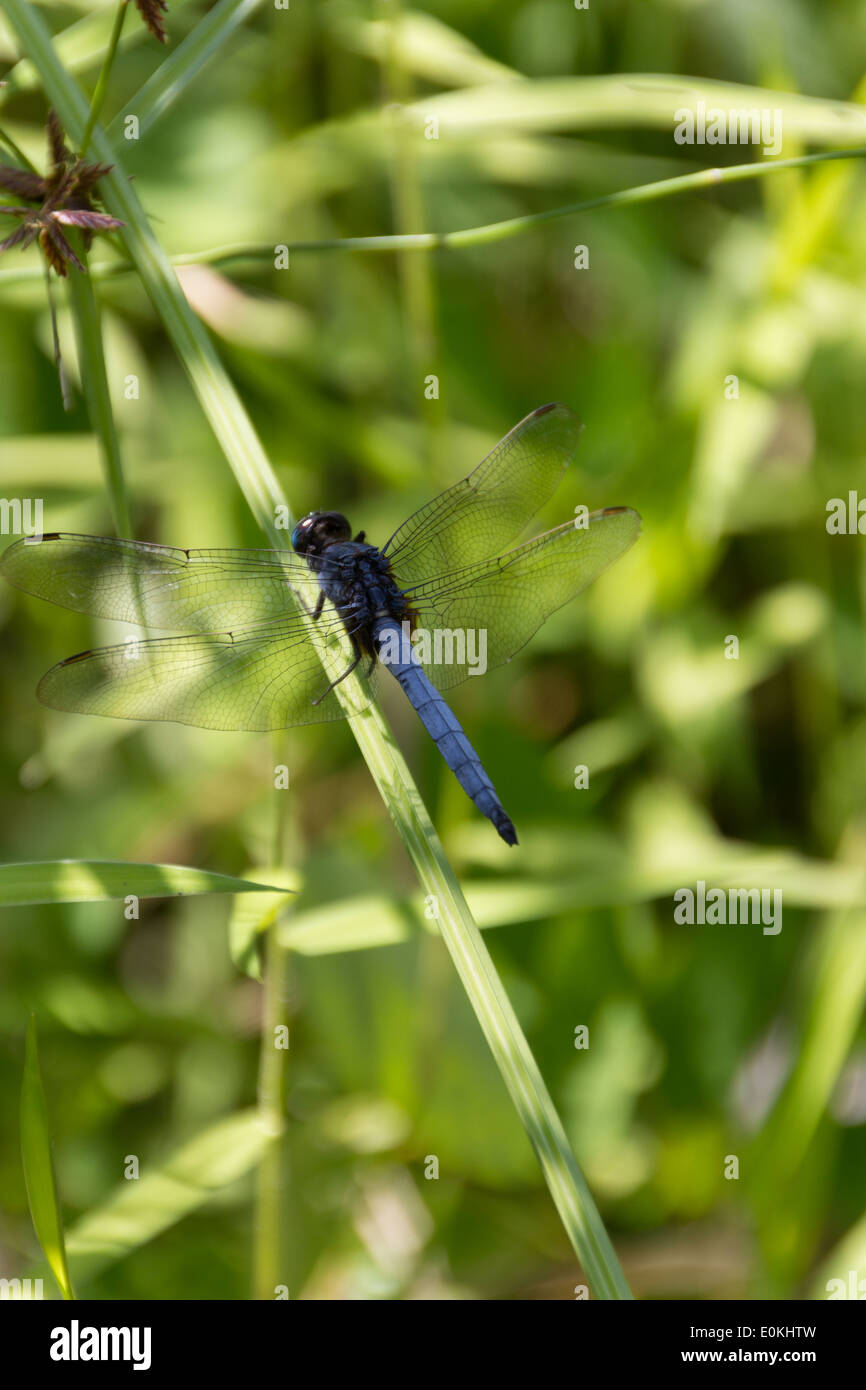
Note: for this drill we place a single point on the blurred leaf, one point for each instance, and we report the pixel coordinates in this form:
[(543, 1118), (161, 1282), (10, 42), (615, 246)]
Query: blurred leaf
[(269, 325), (143, 1208), (837, 990), (39, 1167), (637, 100), (623, 1060), (682, 680), (731, 437), (847, 1257), (602, 744), (252, 915), (51, 460), (94, 880), (351, 925), (419, 43)]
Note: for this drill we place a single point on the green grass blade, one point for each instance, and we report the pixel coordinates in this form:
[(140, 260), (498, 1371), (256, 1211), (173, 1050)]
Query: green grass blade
[(39, 1166), (99, 880), (94, 379)]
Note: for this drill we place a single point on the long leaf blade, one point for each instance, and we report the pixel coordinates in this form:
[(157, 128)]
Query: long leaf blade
[(99, 880), (39, 1166)]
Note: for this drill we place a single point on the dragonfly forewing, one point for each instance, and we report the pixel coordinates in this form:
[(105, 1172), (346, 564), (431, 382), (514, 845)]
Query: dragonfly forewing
[(488, 510), (159, 586)]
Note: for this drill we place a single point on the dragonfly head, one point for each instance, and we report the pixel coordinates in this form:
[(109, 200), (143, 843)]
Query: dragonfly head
[(317, 530)]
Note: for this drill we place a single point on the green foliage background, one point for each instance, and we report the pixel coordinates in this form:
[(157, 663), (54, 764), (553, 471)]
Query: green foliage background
[(705, 1042)]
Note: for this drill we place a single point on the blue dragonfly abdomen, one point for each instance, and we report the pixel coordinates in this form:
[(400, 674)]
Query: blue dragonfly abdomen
[(442, 725)]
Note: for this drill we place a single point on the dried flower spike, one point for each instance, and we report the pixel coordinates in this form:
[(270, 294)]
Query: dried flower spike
[(152, 12), (62, 198)]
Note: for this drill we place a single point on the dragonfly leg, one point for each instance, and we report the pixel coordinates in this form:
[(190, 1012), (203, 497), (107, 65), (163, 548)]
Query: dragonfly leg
[(348, 671), (314, 613)]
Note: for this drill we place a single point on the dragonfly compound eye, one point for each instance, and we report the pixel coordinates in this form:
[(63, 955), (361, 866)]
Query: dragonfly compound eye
[(320, 529)]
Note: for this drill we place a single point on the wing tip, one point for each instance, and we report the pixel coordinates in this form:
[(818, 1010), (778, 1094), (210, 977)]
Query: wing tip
[(14, 553), (70, 660), (624, 511), (565, 418), (566, 411), (38, 539)]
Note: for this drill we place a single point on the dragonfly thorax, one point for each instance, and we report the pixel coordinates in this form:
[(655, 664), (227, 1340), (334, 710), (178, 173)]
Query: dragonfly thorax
[(356, 577)]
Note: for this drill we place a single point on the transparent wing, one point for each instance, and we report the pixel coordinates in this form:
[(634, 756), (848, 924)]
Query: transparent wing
[(485, 512), (258, 680), (159, 586), (502, 602)]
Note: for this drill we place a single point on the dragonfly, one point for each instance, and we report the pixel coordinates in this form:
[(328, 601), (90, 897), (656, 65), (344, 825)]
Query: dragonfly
[(441, 601)]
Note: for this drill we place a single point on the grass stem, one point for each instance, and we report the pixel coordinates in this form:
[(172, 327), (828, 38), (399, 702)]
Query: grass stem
[(94, 379), (101, 89)]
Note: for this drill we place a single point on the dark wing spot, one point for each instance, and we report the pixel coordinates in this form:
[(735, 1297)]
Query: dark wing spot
[(79, 656)]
